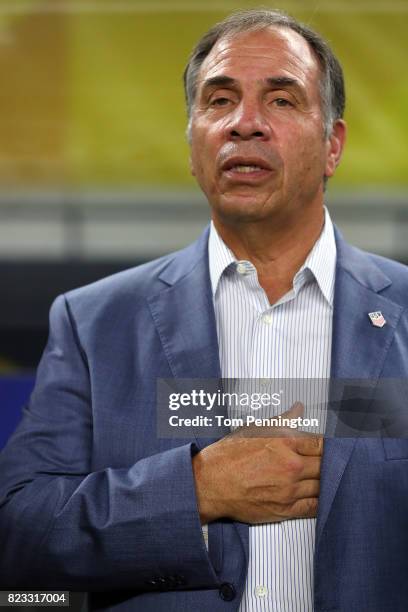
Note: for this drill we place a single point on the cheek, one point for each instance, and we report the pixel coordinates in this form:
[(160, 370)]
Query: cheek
[(309, 154), (201, 166), (203, 154), (196, 155)]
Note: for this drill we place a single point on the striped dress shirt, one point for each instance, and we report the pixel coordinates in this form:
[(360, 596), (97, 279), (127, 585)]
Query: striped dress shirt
[(290, 339)]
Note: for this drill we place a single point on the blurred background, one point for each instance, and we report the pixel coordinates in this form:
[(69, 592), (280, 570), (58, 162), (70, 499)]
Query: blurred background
[(94, 174)]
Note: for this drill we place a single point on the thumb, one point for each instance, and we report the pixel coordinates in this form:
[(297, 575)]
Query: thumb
[(294, 411)]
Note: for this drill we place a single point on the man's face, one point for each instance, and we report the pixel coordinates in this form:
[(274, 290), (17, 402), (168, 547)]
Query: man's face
[(257, 133)]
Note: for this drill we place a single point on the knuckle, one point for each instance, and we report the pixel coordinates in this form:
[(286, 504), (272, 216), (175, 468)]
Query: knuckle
[(283, 511), (317, 442), (287, 495), (289, 442), (311, 506), (293, 465)]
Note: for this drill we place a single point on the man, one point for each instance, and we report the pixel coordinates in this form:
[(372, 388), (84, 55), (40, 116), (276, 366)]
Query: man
[(92, 499)]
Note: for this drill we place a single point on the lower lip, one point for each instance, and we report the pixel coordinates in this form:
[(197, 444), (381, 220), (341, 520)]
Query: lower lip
[(245, 177)]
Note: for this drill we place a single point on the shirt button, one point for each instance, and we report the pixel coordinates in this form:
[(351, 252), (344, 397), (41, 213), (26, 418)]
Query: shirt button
[(267, 318), (261, 590), (227, 591), (241, 268)]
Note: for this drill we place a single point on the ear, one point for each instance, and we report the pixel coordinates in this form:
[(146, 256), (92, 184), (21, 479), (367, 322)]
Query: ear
[(335, 145)]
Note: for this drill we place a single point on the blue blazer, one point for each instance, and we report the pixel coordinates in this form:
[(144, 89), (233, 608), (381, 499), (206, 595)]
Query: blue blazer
[(92, 500)]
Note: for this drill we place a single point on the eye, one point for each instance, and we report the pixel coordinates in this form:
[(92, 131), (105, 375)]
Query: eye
[(282, 102), (219, 101)]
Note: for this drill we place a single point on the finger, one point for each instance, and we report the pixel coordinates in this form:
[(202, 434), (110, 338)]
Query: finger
[(307, 488), (311, 468), (295, 411), (309, 445), (281, 431), (304, 508)]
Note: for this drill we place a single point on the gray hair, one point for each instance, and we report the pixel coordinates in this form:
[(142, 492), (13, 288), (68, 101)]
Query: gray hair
[(331, 83)]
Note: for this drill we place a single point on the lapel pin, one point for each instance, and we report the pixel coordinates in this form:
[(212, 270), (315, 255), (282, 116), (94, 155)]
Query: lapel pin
[(377, 318)]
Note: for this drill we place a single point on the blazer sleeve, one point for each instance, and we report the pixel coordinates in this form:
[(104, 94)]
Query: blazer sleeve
[(64, 526)]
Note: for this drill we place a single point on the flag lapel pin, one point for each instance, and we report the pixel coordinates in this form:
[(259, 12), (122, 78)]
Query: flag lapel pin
[(377, 318)]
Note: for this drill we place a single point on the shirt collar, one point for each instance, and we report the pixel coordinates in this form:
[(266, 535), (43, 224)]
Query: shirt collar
[(321, 261)]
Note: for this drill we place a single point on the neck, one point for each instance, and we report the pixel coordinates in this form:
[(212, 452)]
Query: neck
[(276, 247)]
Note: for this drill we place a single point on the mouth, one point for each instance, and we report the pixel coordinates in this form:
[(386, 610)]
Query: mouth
[(245, 168)]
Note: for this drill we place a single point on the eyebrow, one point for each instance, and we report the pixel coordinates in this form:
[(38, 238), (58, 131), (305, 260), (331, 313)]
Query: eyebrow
[(288, 82), (274, 82), (219, 81), (282, 82)]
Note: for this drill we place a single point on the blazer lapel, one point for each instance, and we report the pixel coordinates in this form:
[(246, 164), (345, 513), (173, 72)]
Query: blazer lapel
[(183, 313), (358, 351)]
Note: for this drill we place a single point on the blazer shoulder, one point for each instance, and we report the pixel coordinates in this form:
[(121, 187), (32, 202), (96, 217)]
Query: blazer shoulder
[(127, 290), (128, 287)]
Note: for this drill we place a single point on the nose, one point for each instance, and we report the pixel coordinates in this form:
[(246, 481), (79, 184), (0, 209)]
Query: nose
[(248, 122)]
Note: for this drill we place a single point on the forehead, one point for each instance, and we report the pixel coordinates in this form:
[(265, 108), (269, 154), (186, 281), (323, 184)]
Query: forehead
[(267, 52)]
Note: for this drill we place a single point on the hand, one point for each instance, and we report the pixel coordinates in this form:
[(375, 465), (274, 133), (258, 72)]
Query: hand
[(257, 476)]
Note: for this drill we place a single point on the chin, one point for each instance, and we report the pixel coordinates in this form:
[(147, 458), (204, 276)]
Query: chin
[(240, 209), (246, 204)]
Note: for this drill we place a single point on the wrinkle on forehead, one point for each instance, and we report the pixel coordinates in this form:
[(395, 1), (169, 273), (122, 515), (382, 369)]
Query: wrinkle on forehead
[(258, 45)]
